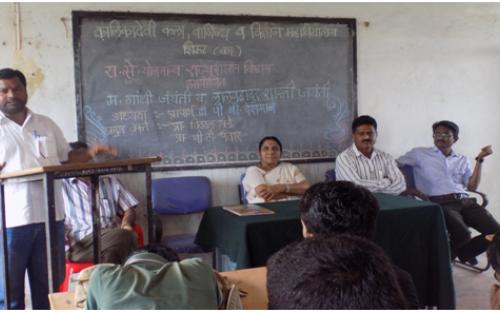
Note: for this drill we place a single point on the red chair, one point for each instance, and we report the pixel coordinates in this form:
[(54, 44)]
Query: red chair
[(75, 267)]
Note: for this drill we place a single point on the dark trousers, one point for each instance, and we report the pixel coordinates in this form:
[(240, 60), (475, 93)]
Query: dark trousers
[(26, 251), (459, 216), (116, 245)]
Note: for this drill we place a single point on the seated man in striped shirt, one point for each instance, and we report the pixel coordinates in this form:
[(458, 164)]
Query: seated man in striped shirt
[(367, 166), (117, 215)]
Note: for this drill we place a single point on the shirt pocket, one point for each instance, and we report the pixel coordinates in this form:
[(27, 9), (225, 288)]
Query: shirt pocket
[(46, 146), (107, 212), (458, 177)]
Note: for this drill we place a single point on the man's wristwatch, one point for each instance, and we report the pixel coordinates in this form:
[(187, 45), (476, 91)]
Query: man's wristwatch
[(479, 159)]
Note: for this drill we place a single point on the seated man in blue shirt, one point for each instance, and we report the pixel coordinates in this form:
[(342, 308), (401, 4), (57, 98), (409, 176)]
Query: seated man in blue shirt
[(445, 176)]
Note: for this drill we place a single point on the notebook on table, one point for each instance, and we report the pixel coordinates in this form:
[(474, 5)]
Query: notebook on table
[(248, 210)]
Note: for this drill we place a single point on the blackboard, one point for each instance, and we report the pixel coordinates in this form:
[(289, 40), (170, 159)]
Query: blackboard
[(202, 90)]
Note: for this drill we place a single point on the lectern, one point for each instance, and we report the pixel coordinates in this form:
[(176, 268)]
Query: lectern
[(47, 175)]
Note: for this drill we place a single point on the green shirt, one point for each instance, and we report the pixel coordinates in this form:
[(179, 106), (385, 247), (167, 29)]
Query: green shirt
[(149, 282)]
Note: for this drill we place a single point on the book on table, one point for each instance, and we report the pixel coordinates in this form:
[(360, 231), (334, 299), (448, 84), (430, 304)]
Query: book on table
[(248, 210)]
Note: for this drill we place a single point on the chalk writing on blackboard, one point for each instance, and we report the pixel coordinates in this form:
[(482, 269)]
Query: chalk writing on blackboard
[(203, 90)]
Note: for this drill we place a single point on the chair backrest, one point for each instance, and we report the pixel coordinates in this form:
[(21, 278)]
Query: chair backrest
[(181, 195), (330, 176), (241, 190), (407, 171)]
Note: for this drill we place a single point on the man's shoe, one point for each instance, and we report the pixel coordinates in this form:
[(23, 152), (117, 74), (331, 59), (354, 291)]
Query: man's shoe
[(472, 261)]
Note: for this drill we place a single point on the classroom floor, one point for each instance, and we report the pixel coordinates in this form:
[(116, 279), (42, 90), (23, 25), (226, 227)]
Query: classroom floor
[(472, 290)]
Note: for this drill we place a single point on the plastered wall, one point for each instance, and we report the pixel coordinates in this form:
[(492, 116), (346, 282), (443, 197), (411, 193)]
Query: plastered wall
[(417, 63)]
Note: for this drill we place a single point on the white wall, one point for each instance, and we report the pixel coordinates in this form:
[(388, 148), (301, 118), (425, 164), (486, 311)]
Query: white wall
[(417, 63)]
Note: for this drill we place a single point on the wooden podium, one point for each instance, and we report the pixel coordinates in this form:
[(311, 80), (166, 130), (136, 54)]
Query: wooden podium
[(47, 175)]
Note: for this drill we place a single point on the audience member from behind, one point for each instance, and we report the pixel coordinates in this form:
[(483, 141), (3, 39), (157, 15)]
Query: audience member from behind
[(367, 166), (117, 216), (334, 208), (494, 258), (272, 179), (332, 272), (153, 278)]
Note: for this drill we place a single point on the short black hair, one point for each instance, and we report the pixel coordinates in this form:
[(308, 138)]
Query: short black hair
[(78, 145), (9, 73), (450, 125), (159, 249), (332, 272), (494, 253), (363, 120), (270, 138), (339, 207)]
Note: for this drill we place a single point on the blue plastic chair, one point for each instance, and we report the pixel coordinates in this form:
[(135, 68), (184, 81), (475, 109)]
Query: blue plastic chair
[(330, 176), (241, 190), (407, 172), (179, 196)]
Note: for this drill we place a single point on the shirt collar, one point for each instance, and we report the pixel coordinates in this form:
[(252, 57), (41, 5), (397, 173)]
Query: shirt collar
[(359, 154), (147, 258), (76, 180), (4, 119), (436, 150)]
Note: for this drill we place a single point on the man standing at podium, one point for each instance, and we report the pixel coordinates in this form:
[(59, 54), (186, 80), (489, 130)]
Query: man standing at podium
[(29, 140)]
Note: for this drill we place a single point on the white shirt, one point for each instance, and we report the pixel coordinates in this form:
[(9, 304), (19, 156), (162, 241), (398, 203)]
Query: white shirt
[(379, 173), (284, 173), (38, 142)]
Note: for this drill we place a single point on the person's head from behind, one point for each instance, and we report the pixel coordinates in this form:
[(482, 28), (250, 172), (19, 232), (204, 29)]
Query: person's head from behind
[(336, 272), (13, 95), (158, 249), (270, 149), (338, 207), (364, 133), (78, 145)]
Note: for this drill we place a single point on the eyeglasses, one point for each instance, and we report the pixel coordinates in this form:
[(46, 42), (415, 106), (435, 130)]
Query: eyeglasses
[(444, 135)]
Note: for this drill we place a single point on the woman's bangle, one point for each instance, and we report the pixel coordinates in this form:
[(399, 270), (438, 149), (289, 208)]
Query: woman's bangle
[(479, 159)]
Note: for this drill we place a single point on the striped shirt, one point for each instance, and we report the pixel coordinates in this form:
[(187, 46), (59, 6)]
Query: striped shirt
[(379, 173), (114, 199)]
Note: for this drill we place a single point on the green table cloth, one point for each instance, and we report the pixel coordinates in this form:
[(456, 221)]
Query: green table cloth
[(412, 233)]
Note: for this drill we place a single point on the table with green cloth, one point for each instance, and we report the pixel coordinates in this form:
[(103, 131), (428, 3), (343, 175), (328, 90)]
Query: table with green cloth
[(412, 232)]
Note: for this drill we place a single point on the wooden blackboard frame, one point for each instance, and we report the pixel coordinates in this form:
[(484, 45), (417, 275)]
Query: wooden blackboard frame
[(79, 16)]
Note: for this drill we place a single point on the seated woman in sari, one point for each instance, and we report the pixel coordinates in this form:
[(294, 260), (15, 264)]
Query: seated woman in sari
[(272, 180)]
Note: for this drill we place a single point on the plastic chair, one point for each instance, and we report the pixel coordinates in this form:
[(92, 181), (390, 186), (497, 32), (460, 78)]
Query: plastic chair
[(241, 190), (178, 196), (330, 176), (411, 190), (407, 172), (76, 267)]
